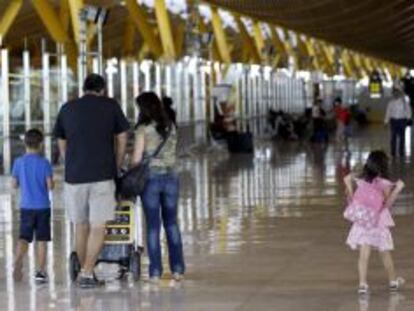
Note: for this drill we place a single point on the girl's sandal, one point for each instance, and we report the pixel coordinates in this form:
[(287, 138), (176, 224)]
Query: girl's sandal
[(363, 289), (397, 284)]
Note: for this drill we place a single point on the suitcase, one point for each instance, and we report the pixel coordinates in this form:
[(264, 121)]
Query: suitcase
[(240, 142)]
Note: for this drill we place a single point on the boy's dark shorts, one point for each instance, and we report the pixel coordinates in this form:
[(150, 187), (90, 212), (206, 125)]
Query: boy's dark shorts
[(35, 223)]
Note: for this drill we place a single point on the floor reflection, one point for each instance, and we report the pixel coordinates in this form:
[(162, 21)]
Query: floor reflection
[(366, 303), (260, 232)]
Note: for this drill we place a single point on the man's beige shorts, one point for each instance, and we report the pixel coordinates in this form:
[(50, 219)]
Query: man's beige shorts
[(90, 203)]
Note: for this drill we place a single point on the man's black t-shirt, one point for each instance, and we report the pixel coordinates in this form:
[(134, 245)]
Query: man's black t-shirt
[(88, 125)]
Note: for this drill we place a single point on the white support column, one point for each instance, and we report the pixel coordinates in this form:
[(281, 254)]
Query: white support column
[(186, 101), (80, 77), (244, 98), (203, 95), (211, 101), (46, 105), (64, 79), (284, 92), (278, 94), (124, 85), (255, 90), (110, 78), (218, 72), (274, 85), (269, 91), (26, 90), (168, 80), (297, 97), (146, 69), (5, 98), (249, 98), (158, 80), (196, 95), (178, 91), (260, 100), (95, 65), (135, 86), (291, 96)]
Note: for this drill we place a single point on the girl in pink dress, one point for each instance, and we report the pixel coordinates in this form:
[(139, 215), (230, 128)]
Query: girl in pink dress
[(374, 191)]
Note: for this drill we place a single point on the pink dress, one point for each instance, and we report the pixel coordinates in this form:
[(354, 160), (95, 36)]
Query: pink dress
[(372, 195)]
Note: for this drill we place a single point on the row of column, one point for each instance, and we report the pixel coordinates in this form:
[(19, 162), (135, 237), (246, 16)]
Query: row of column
[(32, 97)]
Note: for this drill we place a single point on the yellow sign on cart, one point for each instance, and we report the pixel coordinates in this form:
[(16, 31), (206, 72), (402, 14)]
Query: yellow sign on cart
[(121, 229)]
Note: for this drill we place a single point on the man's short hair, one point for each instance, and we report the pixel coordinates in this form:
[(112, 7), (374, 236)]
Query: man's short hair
[(33, 138), (94, 83)]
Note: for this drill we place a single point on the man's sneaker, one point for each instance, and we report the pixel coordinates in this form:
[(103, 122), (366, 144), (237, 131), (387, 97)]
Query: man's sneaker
[(396, 285), (41, 277), (88, 281)]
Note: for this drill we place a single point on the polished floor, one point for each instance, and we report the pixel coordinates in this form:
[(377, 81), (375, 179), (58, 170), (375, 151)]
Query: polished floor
[(260, 233)]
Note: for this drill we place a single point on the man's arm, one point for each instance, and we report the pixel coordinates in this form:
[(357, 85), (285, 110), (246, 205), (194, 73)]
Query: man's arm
[(139, 148), (121, 144), (408, 110), (62, 147), (387, 114)]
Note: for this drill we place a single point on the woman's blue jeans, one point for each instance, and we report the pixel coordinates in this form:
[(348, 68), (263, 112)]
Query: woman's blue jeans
[(160, 203)]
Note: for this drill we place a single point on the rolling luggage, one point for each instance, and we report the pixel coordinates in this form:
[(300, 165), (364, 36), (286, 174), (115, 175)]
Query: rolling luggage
[(240, 142)]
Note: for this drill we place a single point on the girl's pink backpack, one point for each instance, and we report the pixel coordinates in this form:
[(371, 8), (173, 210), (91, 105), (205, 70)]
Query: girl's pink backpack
[(366, 204)]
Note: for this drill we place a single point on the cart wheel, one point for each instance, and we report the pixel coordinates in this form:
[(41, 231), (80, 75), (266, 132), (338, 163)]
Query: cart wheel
[(135, 265), (74, 266)]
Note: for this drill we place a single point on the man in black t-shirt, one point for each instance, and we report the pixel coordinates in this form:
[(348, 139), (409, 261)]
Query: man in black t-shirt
[(92, 137)]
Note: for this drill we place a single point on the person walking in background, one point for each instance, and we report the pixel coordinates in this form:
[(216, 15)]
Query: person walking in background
[(397, 116), (320, 132), (92, 138), (32, 173), (160, 195), (342, 117), (374, 195)]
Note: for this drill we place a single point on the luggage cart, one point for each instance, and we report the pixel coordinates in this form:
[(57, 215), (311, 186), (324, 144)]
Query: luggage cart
[(120, 245)]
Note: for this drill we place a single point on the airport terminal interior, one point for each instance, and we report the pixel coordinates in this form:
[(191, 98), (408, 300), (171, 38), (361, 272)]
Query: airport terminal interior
[(276, 102)]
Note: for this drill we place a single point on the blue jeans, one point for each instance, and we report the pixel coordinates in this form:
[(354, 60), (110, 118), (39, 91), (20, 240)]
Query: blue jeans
[(160, 202)]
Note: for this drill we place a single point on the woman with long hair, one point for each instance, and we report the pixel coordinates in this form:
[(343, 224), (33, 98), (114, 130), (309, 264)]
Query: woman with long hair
[(160, 196)]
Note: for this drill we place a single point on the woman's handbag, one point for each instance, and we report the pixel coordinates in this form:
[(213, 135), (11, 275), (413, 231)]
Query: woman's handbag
[(132, 183), (361, 215)]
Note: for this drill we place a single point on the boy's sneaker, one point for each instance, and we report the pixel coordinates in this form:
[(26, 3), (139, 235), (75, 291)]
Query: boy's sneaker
[(41, 277), (363, 289), (397, 284)]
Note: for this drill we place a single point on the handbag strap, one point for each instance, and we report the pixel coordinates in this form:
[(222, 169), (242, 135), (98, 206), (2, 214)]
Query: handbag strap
[(161, 145)]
